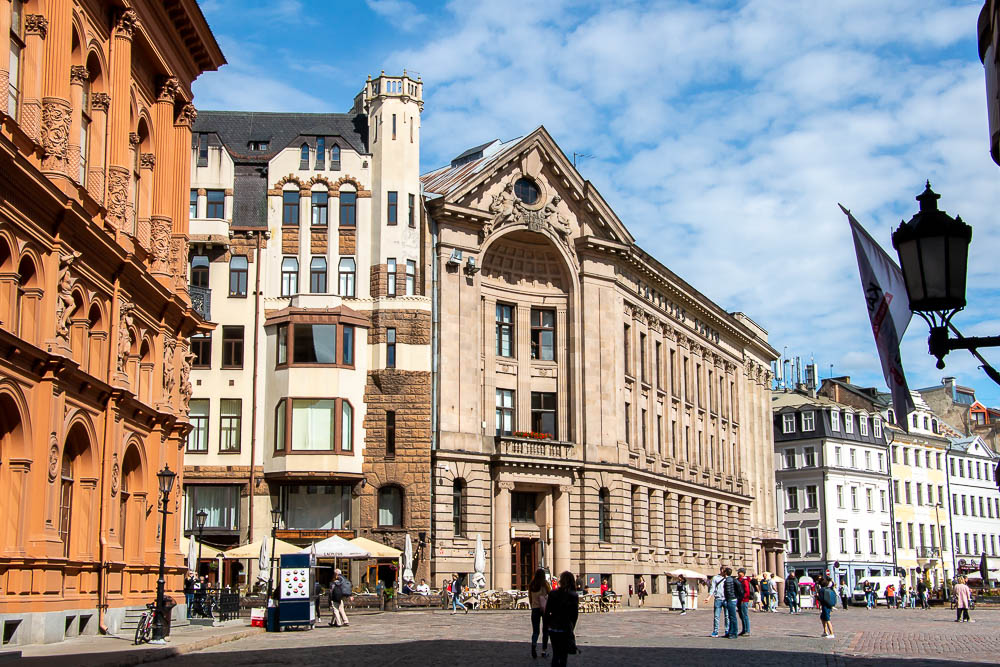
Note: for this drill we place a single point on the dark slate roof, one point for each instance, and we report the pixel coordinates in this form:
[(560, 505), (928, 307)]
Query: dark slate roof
[(250, 196), (236, 129)]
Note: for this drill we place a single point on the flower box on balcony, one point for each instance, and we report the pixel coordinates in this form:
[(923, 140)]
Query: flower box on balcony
[(532, 435)]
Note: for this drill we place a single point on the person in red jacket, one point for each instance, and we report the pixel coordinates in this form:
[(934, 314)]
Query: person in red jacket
[(744, 605)]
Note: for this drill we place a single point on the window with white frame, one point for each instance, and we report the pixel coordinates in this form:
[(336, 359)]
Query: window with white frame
[(854, 498), (863, 424), (810, 457), (843, 540), (840, 496), (789, 458), (794, 546), (812, 497), (868, 460), (813, 540), (834, 420), (848, 422), (809, 421), (836, 455), (877, 426), (854, 458), (792, 493), (788, 423)]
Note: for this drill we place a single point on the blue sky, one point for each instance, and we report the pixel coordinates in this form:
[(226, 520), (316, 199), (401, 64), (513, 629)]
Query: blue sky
[(723, 133)]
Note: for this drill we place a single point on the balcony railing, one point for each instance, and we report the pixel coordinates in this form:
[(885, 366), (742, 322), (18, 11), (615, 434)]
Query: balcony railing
[(201, 301), (549, 449), (928, 552)]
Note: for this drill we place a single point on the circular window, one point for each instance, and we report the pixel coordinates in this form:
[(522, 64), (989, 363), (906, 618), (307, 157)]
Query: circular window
[(526, 190)]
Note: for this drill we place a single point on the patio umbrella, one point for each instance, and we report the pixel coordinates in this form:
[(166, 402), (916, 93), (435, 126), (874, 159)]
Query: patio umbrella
[(336, 547), (192, 559), (479, 563), (688, 574), (264, 563), (407, 559)]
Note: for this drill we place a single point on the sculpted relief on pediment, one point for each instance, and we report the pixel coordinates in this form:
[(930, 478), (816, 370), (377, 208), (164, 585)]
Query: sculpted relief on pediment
[(507, 211)]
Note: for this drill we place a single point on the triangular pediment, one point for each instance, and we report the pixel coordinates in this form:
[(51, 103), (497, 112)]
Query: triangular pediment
[(567, 205)]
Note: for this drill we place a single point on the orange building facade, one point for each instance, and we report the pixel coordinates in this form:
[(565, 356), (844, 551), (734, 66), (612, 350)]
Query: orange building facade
[(94, 310)]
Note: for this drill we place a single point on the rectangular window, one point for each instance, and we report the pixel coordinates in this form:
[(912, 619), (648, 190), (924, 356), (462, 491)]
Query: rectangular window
[(321, 153), (318, 208), (788, 423), (895, 454), (543, 332), (854, 458), (505, 412), (314, 424), (836, 455), (390, 434), (881, 462), (863, 423), (347, 345), (390, 347), (198, 416), (920, 493), (201, 348), (348, 209), (390, 269), (906, 456), (628, 423), (232, 347), (279, 426), (843, 540), (290, 207), (216, 204), (238, 266), (393, 127), (857, 541), (14, 64), (658, 360), (834, 420), (793, 499), (346, 426), (868, 500), (849, 422), (505, 330), (522, 507), (346, 275), (642, 422), (812, 497), (314, 343), (220, 503), (882, 495), (659, 435), (909, 495), (317, 275), (916, 458), (877, 427), (789, 458), (642, 357), (793, 541), (885, 543), (411, 277), (671, 370), (809, 421), (335, 158), (289, 276), (391, 207), (627, 349), (854, 498), (282, 350), (840, 496), (868, 460), (411, 216), (543, 413), (810, 457), (813, 540), (871, 542), (202, 150), (230, 419), (193, 207)]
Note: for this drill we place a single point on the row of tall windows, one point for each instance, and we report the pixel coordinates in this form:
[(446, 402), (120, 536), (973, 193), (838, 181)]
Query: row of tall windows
[(543, 332), (319, 208), (543, 413), (305, 153), (230, 425), (968, 505)]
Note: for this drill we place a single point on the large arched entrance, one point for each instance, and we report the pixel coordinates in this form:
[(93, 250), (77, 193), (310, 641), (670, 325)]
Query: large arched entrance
[(12, 489), (76, 481), (132, 504)]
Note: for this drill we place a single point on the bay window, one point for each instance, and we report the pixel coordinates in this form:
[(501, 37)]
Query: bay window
[(314, 425)]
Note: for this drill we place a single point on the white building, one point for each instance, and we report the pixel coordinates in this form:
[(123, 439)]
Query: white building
[(975, 502), (832, 477)]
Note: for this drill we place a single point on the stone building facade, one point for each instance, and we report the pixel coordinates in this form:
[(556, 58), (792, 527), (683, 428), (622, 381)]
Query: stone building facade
[(593, 411), (94, 310), (313, 393)]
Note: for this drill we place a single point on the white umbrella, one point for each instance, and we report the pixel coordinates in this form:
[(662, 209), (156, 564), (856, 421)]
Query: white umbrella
[(264, 563), (407, 559), (479, 576), (688, 574), (336, 547), (192, 556)]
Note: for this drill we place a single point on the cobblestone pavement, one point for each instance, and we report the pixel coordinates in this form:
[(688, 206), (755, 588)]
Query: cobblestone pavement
[(880, 637)]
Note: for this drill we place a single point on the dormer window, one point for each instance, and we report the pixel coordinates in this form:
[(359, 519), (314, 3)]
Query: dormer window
[(788, 423), (834, 420), (809, 421), (304, 157), (848, 422), (259, 145)]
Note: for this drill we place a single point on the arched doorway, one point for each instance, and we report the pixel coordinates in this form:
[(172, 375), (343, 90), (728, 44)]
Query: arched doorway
[(76, 484), (12, 488), (131, 504)]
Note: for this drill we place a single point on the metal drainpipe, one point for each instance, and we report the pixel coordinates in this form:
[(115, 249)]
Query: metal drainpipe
[(253, 399), (951, 536)]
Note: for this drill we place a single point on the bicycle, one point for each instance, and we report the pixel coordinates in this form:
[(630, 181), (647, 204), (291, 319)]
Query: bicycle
[(144, 630)]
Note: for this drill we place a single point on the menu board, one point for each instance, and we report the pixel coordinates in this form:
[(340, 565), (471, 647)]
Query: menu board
[(294, 583)]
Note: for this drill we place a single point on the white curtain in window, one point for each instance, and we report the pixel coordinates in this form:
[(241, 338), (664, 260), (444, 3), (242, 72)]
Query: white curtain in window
[(346, 427), (219, 502), (390, 507), (312, 424)]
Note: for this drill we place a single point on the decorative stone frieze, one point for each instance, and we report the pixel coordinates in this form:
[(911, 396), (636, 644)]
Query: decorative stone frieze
[(100, 101), (127, 24), (56, 116), (170, 88), (118, 197), (78, 74), (36, 24)]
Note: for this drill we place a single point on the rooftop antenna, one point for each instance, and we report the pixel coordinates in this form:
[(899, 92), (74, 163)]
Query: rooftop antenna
[(579, 155)]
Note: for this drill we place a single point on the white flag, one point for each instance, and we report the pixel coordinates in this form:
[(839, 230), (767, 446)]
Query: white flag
[(889, 313)]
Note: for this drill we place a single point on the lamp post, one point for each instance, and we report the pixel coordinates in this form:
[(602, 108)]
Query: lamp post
[(275, 524), (165, 479), (202, 515), (933, 253)]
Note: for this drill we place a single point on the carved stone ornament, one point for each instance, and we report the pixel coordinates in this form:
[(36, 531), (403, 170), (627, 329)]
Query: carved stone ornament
[(147, 160), (118, 201), (189, 114), (56, 115), (116, 474), (186, 389), (508, 209), (124, 334), (133, 139), (100, 101), (506, 486), (127, 23), (169, 371), (36, 24), (78, 74), (169, 90), (64, 302), (53, 458), (161, 244)]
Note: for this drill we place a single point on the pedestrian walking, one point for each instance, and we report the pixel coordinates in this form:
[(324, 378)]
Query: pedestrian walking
[(844, 594), (317, 594), (561, 611), (922, 594), (538, 594), (732, 594), (827, 601), (903, 597), (718, 602), (340, 589), (746, 595), (963, 599), (456, 593), (189, 592), (890, 596), (682, 592), (774, 594), (642, 590), (765, 593), (792, 593)]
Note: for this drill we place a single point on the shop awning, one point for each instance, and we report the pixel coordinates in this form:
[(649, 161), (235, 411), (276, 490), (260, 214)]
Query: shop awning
[(375, 549), (252, 550)]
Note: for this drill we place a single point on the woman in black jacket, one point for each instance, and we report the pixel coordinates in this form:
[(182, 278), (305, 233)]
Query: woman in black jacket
[(561, 611)]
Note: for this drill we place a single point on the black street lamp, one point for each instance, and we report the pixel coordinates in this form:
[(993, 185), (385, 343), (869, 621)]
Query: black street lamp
[(202, 516), (275, 524), (933, 253), (165, 479)]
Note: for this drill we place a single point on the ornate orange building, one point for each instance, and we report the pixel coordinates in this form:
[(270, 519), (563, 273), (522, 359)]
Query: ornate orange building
[(95, 315)]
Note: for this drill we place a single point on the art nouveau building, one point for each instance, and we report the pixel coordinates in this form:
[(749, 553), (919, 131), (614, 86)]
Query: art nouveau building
[(312, 394), (594, 412), (94, 310)]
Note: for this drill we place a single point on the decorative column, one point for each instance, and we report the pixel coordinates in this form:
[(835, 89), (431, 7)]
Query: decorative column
[(36, 27), (687, 541), (78, 77), (562, 534), (163, 187), (99, 103), (711, 535), (56, 109), (119, 171), (657, 523), (723, 530), (698, 524), (673, 522), (179, 164), (501, 535)]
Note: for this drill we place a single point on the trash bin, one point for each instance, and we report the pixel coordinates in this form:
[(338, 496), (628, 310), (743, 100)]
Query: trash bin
[(272, 619)]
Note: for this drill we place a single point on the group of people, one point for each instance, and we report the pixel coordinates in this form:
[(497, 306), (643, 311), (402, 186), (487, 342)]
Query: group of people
[(732, 597), (419, 589), (195, 595), (555, 607)]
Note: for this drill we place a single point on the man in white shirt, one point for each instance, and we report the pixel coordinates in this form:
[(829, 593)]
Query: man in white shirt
[(423, 588), (719, 604)]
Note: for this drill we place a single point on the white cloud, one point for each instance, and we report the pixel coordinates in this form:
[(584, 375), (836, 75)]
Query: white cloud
[(400, 13)]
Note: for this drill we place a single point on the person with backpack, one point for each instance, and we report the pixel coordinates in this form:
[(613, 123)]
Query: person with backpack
[(746, 595), (765, 593), (733, 594), (538, 594), (339, 589), (827, 601)]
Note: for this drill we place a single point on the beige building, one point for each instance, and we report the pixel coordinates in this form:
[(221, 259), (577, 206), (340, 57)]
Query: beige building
[(594, 412)]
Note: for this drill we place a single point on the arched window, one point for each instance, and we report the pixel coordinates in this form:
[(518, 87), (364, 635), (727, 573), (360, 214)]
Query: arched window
[(458, 507), (604, 515), (317, 275), (320, 152), (289, 276), (304, 157), (27, 299), (891, 416), (347, 277), (934, 425), (390, 507), (65, 500), (335, 158)]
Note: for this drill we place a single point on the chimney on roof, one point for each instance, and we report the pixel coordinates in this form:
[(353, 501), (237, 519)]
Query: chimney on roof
[(948, 382), (846, 379)]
